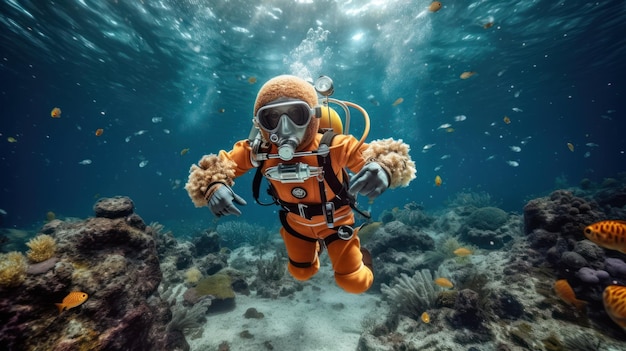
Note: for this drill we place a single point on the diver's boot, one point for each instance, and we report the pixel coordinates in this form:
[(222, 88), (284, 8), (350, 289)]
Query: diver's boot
[(367, 259)]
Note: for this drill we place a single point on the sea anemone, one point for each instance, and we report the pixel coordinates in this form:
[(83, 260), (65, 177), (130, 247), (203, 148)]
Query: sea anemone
[(42, 247), (12, 269)]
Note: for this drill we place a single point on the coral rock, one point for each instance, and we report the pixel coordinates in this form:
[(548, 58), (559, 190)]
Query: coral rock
[(114, 207)]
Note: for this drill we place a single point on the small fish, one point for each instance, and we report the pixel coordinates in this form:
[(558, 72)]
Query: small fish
[(512, 163), (592, 145), (614, 300), (436, 169), (609, 234), (85, 162), (444, 126), (435, 6), (372, 99), (587, 154), (460, 118), (525, 140), (438, 181), (55, 113), (222, 110), (73, 299), (491, 157), (515, 148), (425, 317), (166, 131), (565, 292), (449, 130), (570, 146), (157, 119), (143, 163), (506, 120), (517, 109), (99, 131), (397, 102), (11, 140), (252, 80), (427, 147), (127, 139), (184, 151), (467, 74), (445, 157), (141, 132), (444, 282), (462, 252), (488, 25)]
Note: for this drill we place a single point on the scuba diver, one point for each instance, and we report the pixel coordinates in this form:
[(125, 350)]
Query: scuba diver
[(299, 145)]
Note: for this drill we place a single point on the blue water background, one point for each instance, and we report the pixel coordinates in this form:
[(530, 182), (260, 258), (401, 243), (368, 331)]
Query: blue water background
[(118, 64)]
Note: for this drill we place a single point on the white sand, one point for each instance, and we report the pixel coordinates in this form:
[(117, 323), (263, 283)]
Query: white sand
[(310, 320)]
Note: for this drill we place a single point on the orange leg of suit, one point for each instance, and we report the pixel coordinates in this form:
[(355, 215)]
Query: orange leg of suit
[(345, 255)]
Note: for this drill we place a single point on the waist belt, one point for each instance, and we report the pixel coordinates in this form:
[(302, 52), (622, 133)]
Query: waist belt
[(308, 211)]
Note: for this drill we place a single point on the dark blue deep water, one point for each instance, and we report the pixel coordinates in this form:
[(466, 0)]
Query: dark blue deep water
[(555, 68)]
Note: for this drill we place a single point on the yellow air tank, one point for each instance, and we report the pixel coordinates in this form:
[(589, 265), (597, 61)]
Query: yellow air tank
[(330, 119)]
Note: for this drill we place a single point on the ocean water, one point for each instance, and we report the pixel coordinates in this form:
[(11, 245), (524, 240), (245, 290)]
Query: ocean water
[(163, 76)]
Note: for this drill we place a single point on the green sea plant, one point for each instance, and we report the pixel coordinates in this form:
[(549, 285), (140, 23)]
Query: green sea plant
[(471, 199), (237, 233), (411, 295), (185, 318), (271, 269), (218, 285), (444, 249)]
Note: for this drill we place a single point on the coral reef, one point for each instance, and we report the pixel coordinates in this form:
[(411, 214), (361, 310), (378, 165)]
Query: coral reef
[(12, 269), (411, 295), (42, 247), (236, 233), (193, 275), (113, 260)]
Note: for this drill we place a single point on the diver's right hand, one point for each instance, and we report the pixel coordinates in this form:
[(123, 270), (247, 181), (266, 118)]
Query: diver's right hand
[(221, 201)]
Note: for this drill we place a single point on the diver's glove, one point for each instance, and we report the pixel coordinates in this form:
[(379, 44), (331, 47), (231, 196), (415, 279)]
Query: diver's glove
[(221, 201), (371, 181)]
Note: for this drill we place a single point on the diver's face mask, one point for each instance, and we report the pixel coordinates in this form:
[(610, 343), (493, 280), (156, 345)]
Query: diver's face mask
[(286, 122)]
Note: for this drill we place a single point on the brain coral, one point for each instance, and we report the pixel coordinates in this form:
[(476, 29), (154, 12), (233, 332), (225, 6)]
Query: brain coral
[(42, 247), (487, 218)]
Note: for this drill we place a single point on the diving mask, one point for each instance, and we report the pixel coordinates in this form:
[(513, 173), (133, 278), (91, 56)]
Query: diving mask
[(286, 122), (297, 111)]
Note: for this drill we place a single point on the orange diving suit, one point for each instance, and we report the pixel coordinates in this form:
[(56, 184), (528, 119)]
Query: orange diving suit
[(308, 180)]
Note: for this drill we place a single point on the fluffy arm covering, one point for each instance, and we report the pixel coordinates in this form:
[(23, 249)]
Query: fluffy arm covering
[(211, 169), (393, 156)]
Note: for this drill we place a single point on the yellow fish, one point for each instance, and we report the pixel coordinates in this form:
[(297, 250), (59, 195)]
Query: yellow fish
[(565, 292), (55, 113), (444, 282), (397, 102), (183, 152), (614, 299), (462, 252), (425, 317), (438, 181), (11, 140), (73, 299), (608, 234), (467, 74), (570, 146)]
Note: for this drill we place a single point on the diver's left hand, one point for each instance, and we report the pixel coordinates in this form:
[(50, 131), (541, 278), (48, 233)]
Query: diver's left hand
[(371, 181)]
